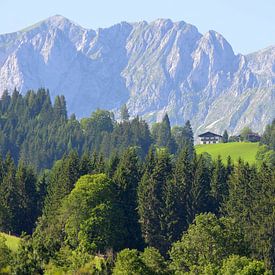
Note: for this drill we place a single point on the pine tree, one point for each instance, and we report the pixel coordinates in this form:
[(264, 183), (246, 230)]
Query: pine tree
[(154, 196), (188, 139), (9, 198), (171, 221), (59, 108), (63, 177), (127, 177), (198, 198), (26, 213), (148, 201), (219, 188), (85, 165), (112, 165), (183, 178), (225, 136), (251, 205), (124, 113), (163, 135)]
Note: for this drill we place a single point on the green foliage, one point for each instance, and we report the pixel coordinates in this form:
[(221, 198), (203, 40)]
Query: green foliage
[(265, 155), (251, 204), (92, 218), (153, 204), (243, 266), (199, 193), (219, 185), (12, 242), (245, 132), (184, 138), (161, 133), (127, 178), (5, 255), (84, 214), (129, 262), (268, 137), (39, 132), (225, 136), (27, 260), (154, 261), (208, 241), (18, 197), (124, 113)]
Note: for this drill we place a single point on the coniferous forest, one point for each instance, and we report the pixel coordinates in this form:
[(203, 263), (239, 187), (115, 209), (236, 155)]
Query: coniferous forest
[(100, 196)]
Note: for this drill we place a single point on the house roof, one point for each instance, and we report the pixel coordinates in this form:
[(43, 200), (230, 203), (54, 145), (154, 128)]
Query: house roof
[(209, 134), (253, 135)]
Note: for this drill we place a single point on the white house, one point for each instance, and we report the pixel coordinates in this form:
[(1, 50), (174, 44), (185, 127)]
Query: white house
[(210, 138)]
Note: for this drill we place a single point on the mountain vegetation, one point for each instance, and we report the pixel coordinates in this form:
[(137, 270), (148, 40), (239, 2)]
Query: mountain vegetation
[(98, 196)]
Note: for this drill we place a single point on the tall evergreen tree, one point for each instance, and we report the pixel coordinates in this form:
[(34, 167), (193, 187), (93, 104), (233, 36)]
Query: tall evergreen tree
[(162, 135), (251, 204), (9, 198), (225, 136), (124, 113), (188, 140), (219, 188), (198, 198), (155, 201), (183, 178), (27, 197), (64, 175), (127, 177)]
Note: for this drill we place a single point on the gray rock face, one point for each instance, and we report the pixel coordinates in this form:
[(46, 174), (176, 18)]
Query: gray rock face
[(155, 68)]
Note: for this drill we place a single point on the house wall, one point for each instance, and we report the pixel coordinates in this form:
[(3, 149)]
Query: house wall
[(210, 140)]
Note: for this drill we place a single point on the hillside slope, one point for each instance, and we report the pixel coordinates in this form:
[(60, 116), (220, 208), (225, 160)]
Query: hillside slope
[(245, 150), (11, 241)]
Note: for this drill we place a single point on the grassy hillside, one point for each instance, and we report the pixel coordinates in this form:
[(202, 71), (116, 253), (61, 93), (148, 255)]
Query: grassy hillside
[(12, 241), (245, 150)]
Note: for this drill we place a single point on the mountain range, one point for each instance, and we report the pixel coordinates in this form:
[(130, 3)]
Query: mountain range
[(155, 68)]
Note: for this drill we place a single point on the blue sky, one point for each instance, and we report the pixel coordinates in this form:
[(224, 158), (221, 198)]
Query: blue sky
[(248, 25)]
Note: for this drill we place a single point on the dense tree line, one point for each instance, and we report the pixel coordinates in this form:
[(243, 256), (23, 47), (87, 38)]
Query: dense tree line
[(123, 199), (39, 133), (189, 214)]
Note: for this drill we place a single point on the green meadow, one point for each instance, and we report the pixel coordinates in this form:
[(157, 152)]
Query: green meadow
[(245, 150)]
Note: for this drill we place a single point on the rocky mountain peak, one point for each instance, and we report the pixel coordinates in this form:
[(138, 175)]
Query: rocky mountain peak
[(155, 68)]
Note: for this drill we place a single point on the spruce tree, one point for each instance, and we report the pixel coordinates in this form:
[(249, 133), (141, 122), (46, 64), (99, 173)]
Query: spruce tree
[(124, 113), (188, 139), (63, 177), (148, 201), (171, 221), (251, 204), (225, 136), (27, 196), (183, 178), (198, 198), (9, 197), (163, 135), (127, 177), (85, 166), (155, 201), (219, 188)]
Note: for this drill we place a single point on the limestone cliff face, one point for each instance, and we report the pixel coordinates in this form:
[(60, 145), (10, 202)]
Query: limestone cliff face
[(155, 68)]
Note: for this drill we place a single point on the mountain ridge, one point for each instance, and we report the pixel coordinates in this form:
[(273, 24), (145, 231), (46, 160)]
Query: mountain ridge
[(156, 67)]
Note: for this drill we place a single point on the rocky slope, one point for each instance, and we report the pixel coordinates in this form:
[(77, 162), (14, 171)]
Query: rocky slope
[(156, 67)]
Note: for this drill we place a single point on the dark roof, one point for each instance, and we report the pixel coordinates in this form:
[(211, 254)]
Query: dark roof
[(209, 134), (253, 135)]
